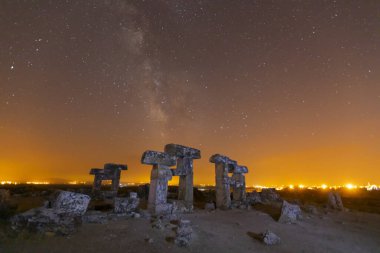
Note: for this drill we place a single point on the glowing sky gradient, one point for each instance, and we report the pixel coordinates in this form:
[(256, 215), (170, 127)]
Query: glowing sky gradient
[(290, 89)]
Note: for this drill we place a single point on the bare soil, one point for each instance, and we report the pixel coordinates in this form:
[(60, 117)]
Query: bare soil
[(218, 231)]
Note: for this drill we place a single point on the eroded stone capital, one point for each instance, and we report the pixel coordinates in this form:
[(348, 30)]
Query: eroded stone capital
[(182, 151), (157, 158)]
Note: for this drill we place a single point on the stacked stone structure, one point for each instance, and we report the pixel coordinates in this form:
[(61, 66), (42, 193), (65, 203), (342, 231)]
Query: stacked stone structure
[(223, 182), (111, 172)]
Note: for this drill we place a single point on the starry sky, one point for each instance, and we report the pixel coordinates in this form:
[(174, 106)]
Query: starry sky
[(288, 88)]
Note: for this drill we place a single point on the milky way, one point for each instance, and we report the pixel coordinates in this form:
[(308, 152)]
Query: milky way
[(289, 88)]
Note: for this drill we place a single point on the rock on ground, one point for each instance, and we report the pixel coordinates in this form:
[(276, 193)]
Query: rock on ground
[(334, 201), (126, 205), (270, 238), (290, 213), (62, 219), (183, 233), (44, 220), (71, 203)]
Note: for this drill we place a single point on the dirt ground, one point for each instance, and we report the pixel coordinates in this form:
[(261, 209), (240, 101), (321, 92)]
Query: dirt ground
[(218, 231)]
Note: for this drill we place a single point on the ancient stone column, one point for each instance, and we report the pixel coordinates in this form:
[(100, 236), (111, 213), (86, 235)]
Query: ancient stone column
[(222, 180), (185, 156), (111, 172), (159, 177), (238, 183)]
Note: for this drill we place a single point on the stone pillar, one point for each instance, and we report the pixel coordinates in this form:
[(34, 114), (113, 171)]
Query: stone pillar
[(97, 183), (222, 180), (238, 183), (185, 187), (185, 156), (111, 172), (159, 177)]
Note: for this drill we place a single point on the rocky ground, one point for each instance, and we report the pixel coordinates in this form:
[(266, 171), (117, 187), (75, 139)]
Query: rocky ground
[(236, 230), (217, 231)]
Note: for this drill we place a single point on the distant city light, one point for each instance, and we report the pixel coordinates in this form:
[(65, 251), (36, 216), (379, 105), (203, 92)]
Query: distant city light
[(351, 186), (323, 186)]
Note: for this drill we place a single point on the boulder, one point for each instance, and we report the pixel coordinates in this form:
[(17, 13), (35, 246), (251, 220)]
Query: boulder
[(126, 205), (183, 233), (270, 238), (71, 203), (45, 220), (290, 213), (179, 206), (334, 201), (61, 217)]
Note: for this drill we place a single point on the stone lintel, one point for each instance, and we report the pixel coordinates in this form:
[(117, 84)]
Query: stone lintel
[(182, 151), (114, 166), (96, 171), (237, 169), (157, 158), (217, 158)]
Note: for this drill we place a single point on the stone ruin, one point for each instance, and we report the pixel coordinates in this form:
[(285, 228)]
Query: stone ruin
[(61, 216), (184, 169), (159, 178), (111, 172), (223, 182), (161, 174)]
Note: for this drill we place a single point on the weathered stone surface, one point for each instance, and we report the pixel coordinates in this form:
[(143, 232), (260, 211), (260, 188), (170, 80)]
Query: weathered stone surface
[(238, 169), (269, 195), (182, 151), (95, 217), (62, 219), (157, 224), (334, 201), (71, 203), (218, 158), (253, 198), (238, 187), (158, 158), (180, 206), (110, 171), (44, 220), (183, 233), (210, 206), (184, 169), (158, 190), (223, 166), (114, 166), (126, 205), (270, 238), (290, 213)]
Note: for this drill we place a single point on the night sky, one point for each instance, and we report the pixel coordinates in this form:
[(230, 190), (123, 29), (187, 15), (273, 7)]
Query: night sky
[(288, 88)]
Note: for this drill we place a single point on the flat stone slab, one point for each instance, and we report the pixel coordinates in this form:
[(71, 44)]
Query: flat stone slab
[(114, 166), (158, 158), (217, 158), (182, 151), (237, 169)]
